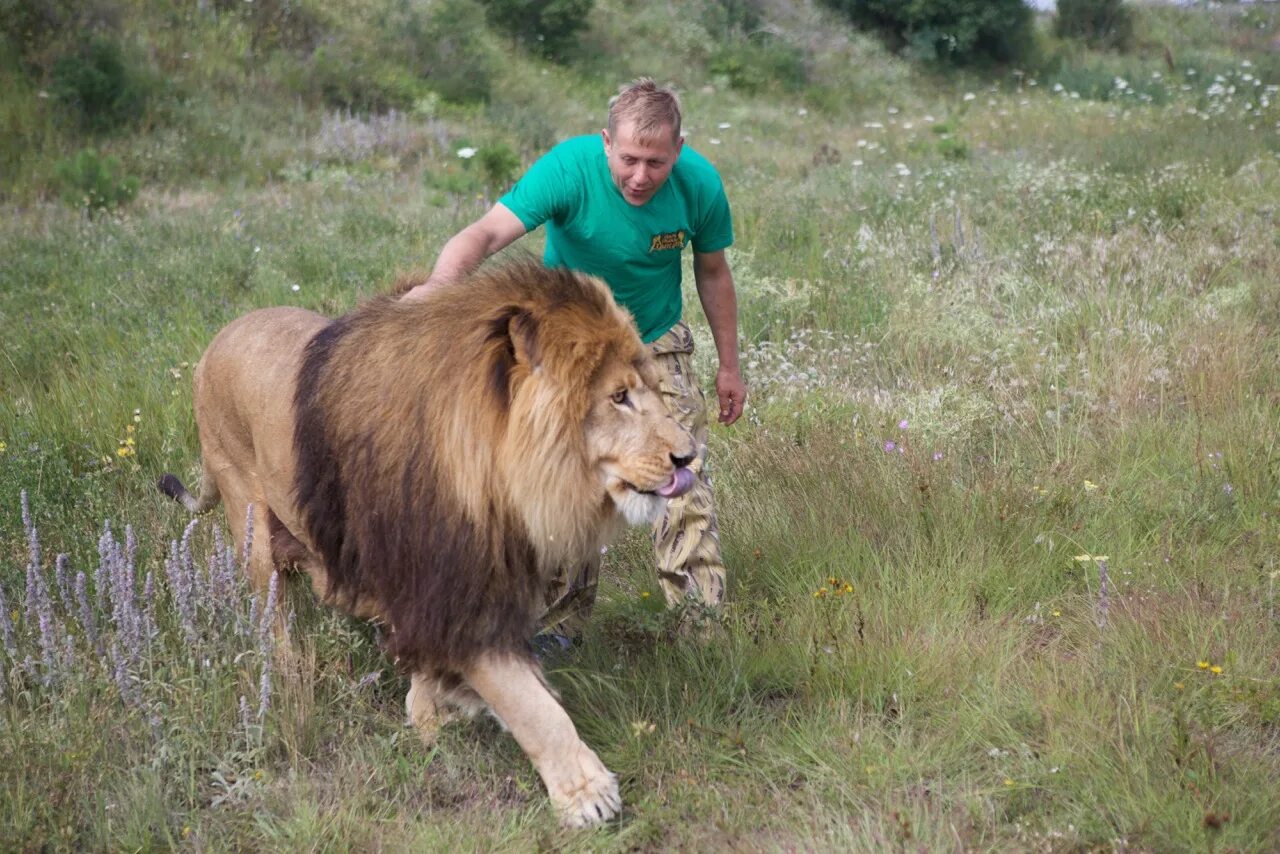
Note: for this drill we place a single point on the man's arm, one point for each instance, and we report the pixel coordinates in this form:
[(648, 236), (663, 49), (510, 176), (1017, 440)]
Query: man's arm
[(468, 249), (714, 280)]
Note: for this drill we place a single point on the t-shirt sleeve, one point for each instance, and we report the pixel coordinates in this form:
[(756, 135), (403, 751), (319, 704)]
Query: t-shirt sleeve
[(542, 193), (715, 231)]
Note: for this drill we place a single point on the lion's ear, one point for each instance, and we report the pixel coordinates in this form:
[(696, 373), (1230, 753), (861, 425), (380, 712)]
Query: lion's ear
[(522, 330)]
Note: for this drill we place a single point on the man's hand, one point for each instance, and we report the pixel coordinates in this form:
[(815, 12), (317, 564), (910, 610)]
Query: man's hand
[(732, 392)]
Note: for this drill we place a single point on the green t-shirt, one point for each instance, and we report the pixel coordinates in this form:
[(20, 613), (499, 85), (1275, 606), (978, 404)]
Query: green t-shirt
[(593, 229)]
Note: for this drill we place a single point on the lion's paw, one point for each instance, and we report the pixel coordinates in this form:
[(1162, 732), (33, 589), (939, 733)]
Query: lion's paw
[(594, 802)]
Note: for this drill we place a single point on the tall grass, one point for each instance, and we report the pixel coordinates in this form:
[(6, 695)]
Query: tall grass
[(1000, 519)]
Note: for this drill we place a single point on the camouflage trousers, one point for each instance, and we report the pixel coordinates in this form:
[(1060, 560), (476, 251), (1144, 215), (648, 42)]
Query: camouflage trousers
[(686, 539)]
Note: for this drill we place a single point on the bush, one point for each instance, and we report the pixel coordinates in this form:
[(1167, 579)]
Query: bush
[(94, 182), (547, 27), (350, 80), (98, 86), (38, 30), (461, 64), (955, 32), (1099, 23), (758, 62)]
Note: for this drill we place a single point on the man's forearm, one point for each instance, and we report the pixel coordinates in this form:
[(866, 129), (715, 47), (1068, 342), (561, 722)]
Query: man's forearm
[(720, 304), (464, 252)]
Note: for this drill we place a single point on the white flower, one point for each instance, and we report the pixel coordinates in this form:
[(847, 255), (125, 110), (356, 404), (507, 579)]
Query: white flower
[(724, 126), (466, 153), (969, 96), (295, 288), (714, 141), (902, 169)]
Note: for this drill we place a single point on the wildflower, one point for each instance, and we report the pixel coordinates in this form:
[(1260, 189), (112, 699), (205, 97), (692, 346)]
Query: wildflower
[(1008, 781), (724, 126), (1089, 486), (889, 447), (1085, 558), (1178, 686), (902, 425), (3, 447), (466, 153), (1203, 665), (1057, 613), (295, 288), (937, 455), (644, 594), (137, 415), (969, 96), (1216, 669), (642, 728)]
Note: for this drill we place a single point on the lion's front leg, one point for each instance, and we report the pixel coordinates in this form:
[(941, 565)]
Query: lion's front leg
[(583, 791)]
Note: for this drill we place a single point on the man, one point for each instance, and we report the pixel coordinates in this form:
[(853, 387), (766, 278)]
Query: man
[(622, 206)]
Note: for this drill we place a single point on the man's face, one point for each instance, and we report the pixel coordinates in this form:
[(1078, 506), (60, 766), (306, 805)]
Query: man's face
[(640, 167)]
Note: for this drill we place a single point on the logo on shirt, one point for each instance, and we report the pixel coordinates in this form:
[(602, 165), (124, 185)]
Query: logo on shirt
[(668, 240)]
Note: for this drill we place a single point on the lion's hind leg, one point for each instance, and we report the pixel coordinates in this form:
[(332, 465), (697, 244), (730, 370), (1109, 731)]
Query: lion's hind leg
[(582, 790), (436, 698)]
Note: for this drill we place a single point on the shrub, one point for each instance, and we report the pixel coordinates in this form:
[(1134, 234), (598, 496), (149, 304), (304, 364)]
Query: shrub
[(758, 62), (548, 27), (98, 86), (94, 182), (349, 79), (958, 32), (1099, 23), (460, 64)]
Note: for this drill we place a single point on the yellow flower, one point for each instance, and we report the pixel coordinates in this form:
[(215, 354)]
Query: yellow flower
[(1203, 665), (123, 451), (1057, 613), (1085, 558), (1008, 781), (1216, 669), (642, 728), (644, 594), (848, 588), (1178, 686), (186, 831), (1090, 486), (3, 447), (129, 428)]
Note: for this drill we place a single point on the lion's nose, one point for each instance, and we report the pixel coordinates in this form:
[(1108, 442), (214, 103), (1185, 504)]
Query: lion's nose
[(681, 462)]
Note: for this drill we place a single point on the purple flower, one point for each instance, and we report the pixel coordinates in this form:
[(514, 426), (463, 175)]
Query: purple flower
[(889, 447), (903, 425), (937, 455)]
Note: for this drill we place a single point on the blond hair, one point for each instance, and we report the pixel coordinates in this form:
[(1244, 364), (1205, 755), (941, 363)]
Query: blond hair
[(648, 106)]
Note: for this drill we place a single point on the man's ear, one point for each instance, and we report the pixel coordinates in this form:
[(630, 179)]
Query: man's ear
[(608, 143)]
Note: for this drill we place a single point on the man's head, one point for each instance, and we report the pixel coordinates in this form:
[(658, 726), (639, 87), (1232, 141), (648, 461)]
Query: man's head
[(643, 139)]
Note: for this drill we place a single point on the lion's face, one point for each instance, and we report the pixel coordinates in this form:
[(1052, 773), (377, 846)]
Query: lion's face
[(639, 451)]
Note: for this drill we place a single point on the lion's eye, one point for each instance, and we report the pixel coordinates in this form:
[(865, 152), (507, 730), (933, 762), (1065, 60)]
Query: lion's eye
[(619, 397)]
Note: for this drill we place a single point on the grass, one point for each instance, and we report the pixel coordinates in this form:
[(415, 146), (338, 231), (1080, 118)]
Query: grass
[(989, 327)]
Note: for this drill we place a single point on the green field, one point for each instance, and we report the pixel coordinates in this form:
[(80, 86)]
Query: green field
[(1002, 519)]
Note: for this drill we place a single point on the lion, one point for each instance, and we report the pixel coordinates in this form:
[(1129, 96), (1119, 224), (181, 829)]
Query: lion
[(431, 465)]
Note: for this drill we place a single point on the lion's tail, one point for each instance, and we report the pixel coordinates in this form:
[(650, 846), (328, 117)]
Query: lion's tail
[(172, 487)]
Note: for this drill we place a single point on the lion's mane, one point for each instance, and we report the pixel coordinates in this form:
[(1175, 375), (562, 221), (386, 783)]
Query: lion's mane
[(442, 469)]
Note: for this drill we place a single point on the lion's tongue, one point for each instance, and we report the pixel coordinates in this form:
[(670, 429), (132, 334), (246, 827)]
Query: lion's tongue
[(680, 483)]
